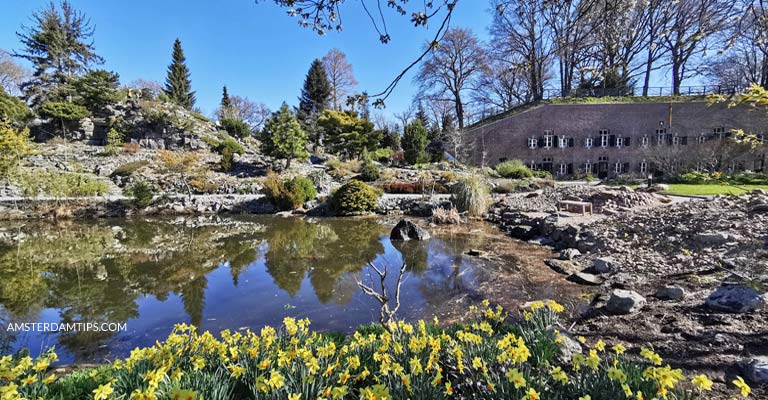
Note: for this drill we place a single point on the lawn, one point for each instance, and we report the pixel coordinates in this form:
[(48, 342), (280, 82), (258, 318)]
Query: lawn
[(711, 189)]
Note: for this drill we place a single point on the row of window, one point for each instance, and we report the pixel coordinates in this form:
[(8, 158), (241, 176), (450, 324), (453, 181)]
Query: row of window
[(603, 166), (605, 139)]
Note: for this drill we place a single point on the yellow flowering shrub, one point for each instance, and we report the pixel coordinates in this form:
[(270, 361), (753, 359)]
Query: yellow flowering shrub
[(487, 358)]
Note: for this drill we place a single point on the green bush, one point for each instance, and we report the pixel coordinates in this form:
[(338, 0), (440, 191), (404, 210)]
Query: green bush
[(114, 141), (63, 111), (370, 171), (13, 109), (382, 155), (748, 178), (142, 194), (542, 174), (472, 196), (289, 194), (355, 198), (235, 127), (129, 168), (514, 169), (58, 184), (228, 147), (693, 178), (96, 89), (15, 146)]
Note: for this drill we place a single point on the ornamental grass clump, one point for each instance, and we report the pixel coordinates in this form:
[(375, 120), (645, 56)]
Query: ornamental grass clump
[(485, 358), (471, 195), (513, 169)]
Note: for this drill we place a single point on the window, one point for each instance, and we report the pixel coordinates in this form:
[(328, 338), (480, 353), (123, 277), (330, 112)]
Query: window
[(532, 142), (588, 167), (604, 138), (618, 168), (719, 131), (660, 133), (532, 165), (548, 141), (701, 139), (645, 141), (563, 142), (563, 169), (643, 167), (619, 142), (675, 140), (588, 142), (603, 159)]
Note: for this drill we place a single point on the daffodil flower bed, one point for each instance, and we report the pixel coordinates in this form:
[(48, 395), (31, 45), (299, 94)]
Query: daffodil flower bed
[(485, 359)]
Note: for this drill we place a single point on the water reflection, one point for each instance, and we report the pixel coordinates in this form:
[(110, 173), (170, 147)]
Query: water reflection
[(216, 274)]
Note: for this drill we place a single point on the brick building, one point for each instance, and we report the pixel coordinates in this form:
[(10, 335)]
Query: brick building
[(607, 140)]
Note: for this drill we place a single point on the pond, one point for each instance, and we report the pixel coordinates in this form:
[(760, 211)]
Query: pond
[(232, 273)]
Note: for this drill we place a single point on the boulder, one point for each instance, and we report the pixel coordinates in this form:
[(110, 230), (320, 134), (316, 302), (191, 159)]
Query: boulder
[(712, 238), (565, 267), (407, 230), (567, 349), (604, 265), (757, 370), (569, 254), (624, 302), (670, 292), (736, 299), (583, 278), (759, 209)]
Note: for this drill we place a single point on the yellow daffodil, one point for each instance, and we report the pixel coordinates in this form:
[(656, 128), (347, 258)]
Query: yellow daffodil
[(702, 382), (103, 391), (743, 387)]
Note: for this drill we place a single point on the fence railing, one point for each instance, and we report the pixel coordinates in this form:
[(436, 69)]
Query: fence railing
[(656, 91)]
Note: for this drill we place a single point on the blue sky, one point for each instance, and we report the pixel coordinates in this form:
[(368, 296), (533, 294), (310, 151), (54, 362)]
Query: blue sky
[(255, 49)]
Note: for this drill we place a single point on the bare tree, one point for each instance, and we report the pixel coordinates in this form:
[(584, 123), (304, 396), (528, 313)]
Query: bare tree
[(244, 109), (519, 32), (502, 84), (405, 116), (387, 311), (340, 77), (568, 24), (657, 16), (450, 69), (691, 24), (12, 74)]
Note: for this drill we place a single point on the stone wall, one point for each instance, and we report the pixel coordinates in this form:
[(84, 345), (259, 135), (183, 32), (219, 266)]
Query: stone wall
[(637, 136)]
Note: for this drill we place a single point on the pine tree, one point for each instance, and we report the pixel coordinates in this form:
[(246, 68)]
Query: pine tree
[(421, 115), (415, 142), (59, 48), (225, 102), (177, 85), (315, 96), (282, 137)]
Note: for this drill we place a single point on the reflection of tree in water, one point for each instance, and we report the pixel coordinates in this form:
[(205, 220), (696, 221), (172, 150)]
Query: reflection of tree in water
[(95, 273), (325, 250)]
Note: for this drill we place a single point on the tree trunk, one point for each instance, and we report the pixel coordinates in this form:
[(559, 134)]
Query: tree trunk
[(459, 111), (648, 68), (287, 163), (676, 78)]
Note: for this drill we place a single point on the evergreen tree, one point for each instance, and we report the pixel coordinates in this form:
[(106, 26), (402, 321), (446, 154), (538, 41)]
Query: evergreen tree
[(178, 87), (282, 137), (390, 138), (315, 96), (414, 142), (348, 135), (421, 115), (59, 47), (226, 103)]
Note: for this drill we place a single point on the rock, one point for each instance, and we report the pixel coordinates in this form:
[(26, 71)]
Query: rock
[(567, 349), (569, 254), (759, 209), (407, 230), (565, 267), (669, 292), (757, 370), (86, 127), (712, 238), (604, 265), (759, 192), (584, 278), (474, 253), (624, 302), (736, 299)]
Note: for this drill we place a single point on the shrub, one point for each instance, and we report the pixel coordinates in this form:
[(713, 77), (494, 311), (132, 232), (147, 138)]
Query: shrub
[(355, 198), (235, 127), (228, 147), (114, 141), (382, 155), (203, 184), (693, 178), (13, 109), (15, 145), (290, 194), (747, 178), (446, 216), (542, 174), (370, 171), (509, 186), (471, 196), (184, 162), (340, 169), (514, 169), (58, 184), (96, 89), (414, 143), (63, 111), (142, 194), (448, 176), (131, 148), (129, 168)]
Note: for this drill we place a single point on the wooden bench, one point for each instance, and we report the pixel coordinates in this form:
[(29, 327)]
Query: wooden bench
[(569, 205)]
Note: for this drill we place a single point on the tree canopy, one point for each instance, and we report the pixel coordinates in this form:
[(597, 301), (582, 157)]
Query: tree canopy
[(282, 137), (178, 85)]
